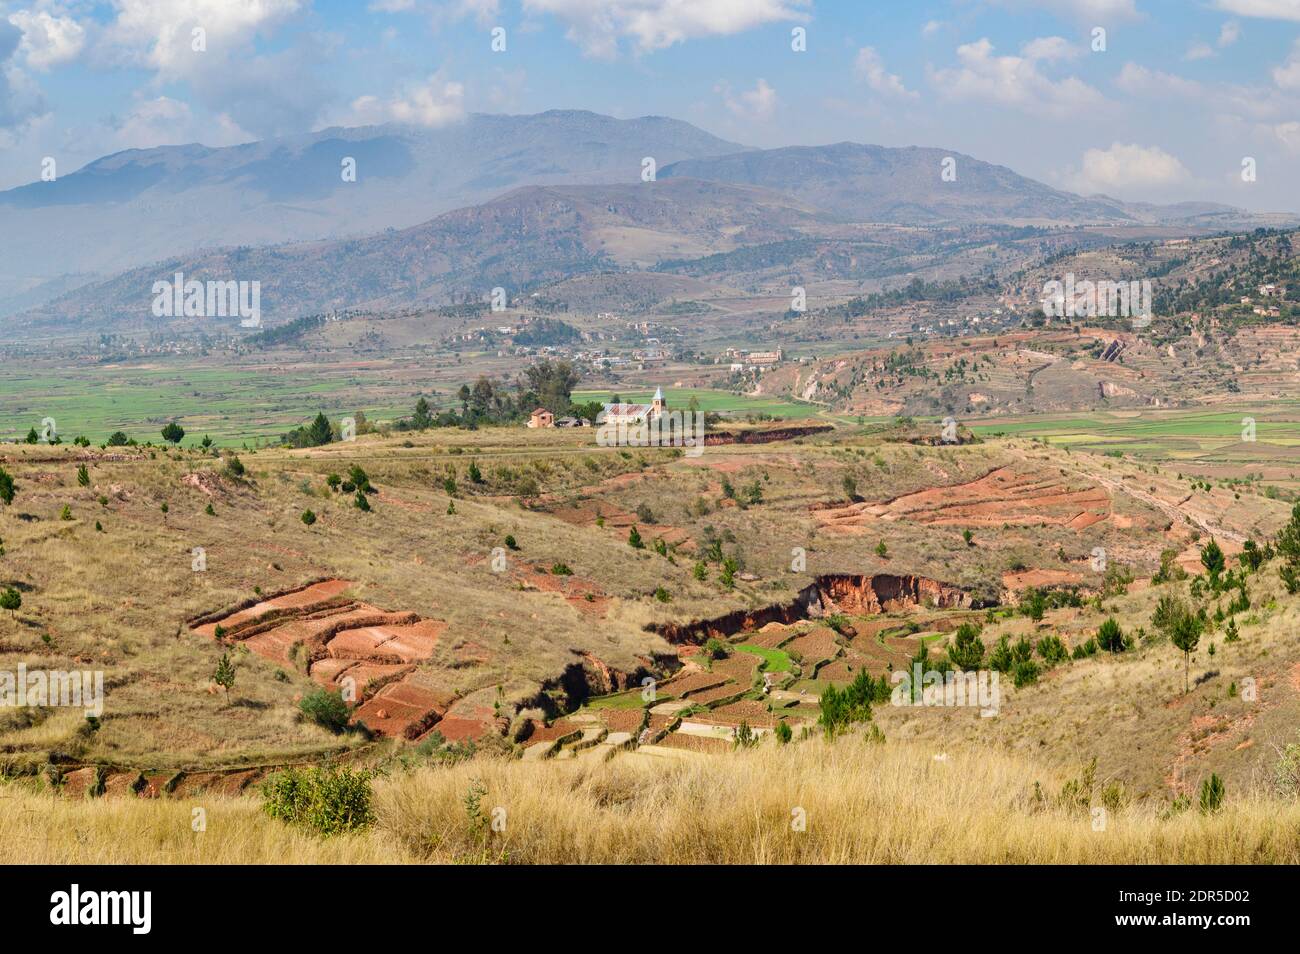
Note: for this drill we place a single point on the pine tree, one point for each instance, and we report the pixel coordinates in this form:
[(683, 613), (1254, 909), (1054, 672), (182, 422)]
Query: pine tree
[(11, 600), (1111, 637), (7, 487), (320, 431), (421, 419), (83, 476), (1213, 560), (1186, 634), (225, 674), (634, 539), (967, 649)]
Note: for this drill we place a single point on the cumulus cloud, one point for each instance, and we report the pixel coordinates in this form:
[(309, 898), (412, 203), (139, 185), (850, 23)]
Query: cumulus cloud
[(1229, 33), (266, 93), (1128, 167), (1050, 48), (160, 33), (435, 102), (164, 121), (48, 40), (870, 68), (598, 25), (758, 103), (1287, 76), (1265, 9), (1092, 12), (1288, 134), (1141, 81), (20, 100), (1014, 81)]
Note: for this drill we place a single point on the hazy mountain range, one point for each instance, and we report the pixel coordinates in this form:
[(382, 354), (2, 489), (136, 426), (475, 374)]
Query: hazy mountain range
[(144, 205), (439, 214)]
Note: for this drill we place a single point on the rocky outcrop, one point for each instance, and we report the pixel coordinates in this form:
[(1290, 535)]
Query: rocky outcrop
[(885, 593), (836, 592)]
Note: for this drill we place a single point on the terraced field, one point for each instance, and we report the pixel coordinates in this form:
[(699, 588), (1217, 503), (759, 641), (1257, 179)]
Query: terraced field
[(371, 656)]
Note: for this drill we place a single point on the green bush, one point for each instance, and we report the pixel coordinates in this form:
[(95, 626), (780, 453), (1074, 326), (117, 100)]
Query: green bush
[(326, 709), (328, 801), (1052, 650), (1212, 793)]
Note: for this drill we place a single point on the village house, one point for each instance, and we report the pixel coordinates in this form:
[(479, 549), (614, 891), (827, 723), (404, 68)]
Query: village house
[(541, 418)]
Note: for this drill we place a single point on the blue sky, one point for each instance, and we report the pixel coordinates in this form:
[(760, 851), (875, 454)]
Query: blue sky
[(1183, 91)]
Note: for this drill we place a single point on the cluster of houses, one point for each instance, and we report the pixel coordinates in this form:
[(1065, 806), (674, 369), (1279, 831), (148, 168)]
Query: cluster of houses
[(613, 413), (740, 360)]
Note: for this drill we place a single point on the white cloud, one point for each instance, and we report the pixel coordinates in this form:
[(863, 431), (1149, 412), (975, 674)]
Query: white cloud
[(1287, 76), (1265, 9), (758, 103), (1127, 167), (268, 93), (159, 33), (1288, 134), (1013, 81), (164, 121), (48, 40), (1091, 12), (20, 100), (1140, 81), (436, 102), (1229, 34), (1051, 48), (598, 25), (870, 68), (932, 27)]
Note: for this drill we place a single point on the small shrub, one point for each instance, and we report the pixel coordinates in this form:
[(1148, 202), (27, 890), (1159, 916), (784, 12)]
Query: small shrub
[(325, 801), (1212, 794), (327, 709)]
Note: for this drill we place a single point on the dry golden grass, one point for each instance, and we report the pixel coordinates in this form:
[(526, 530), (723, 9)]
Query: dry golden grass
[(863, 803)]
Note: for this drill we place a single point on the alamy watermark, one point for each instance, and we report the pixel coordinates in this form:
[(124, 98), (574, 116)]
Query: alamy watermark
[(179, 298), (683, 429), (1101, 299), (934, 688), (78, 689)]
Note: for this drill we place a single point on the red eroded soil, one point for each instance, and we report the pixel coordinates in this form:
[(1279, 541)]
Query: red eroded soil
[(316, 593), (348, 645), (579, 592), (1002, 496)]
